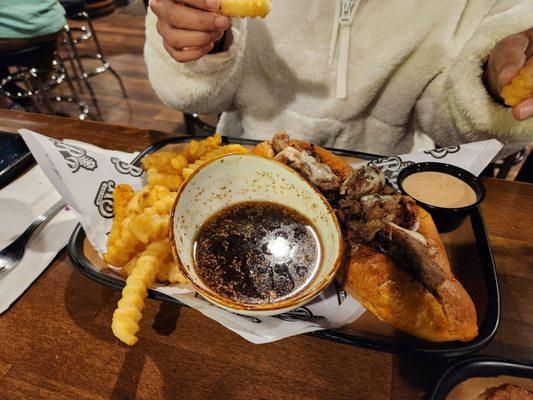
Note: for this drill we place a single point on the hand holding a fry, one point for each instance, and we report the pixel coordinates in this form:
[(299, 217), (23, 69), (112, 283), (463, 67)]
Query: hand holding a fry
[(510, 72), (190, 28)]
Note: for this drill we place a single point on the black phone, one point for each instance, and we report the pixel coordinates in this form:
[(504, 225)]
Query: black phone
[(15, 157)]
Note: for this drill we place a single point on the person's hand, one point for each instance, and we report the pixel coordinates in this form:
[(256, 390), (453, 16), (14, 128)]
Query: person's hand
[(507, 57), (189, 28)]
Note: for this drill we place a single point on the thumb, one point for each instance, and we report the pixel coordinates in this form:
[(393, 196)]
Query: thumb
[(507, 74), (509, 57), (524, 110)]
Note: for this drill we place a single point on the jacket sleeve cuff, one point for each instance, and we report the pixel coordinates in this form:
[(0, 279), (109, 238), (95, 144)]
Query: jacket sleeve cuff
[(203, 86)]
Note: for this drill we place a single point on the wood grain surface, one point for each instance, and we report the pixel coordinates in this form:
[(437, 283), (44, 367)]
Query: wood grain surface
[(56, 341)]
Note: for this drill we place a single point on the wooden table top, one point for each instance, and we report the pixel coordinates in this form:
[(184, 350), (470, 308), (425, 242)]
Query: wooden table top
[(56, 341)]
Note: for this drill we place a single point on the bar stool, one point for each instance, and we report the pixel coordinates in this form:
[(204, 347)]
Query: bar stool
[(193, 123), (76, 9), (38, 83)]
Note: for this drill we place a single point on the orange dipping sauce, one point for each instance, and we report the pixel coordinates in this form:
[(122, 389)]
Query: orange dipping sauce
[(439, 189)]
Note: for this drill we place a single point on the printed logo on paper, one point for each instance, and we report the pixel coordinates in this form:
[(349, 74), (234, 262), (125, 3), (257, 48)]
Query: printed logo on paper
[(443, 152), (341, 294), (125, 168), (104, 199), (75, 156), (391, 167), (300, 314)]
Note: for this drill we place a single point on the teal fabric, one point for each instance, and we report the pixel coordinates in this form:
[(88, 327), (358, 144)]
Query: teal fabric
[(24, 19)]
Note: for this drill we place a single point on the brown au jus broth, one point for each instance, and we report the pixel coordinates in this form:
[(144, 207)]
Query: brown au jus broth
[(257, 252)]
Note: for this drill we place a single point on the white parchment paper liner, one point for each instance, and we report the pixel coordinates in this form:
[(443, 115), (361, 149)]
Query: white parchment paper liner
[(85, 177)]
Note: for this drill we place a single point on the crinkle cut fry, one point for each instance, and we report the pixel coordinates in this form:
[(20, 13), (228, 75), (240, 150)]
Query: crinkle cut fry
[(121, 197), (126, 317), (246, 8), (520, 88), (118, 240)]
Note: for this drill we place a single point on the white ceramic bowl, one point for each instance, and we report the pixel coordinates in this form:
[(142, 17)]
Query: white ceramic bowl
[(237, 178)]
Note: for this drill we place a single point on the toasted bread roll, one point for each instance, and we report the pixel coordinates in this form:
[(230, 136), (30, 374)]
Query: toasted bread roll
[(264, 149), (393, 295)]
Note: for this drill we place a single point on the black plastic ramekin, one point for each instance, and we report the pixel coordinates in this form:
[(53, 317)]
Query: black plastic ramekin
[(446, 219)]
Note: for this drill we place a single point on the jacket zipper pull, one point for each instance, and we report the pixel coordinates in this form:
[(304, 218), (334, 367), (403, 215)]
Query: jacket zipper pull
[(346, 13)]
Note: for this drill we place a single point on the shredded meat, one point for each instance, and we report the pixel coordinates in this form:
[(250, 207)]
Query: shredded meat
[(398, 209), (365, 217), (348, 209), (363, 181), (358, 231), (389, 190), (280, 141), (319, 174)]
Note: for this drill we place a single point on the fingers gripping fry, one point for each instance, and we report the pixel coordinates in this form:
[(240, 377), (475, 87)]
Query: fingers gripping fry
[(126, 318), (520, 88), (246, 8)]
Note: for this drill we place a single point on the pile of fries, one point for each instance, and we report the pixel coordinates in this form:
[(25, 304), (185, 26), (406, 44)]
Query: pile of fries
[(138, 243)]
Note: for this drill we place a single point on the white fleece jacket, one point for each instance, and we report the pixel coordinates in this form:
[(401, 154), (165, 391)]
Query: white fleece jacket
[(415, 69)]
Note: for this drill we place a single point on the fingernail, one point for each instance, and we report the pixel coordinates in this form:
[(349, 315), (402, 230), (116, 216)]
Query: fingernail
[(213, 4), (525, 112), (221, 22), (507, 74), (217, 35)]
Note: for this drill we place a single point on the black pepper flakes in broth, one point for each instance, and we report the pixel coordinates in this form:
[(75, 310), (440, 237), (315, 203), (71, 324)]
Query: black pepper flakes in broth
[(257, 252)]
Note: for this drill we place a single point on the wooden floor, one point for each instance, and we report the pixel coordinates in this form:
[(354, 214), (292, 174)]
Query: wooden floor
[(122, 38)]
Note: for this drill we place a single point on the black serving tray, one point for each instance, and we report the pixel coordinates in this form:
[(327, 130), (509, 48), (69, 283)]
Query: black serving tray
[(402, 344), (477, 368)]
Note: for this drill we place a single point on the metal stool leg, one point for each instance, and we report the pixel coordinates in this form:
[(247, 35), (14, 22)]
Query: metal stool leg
[(70, 56), (83, 74), (31, 92), (526, 172), (506, 166), (190, 127), (101, 53), (33, 97), (42, 91), (81, 104), (119, 79)]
